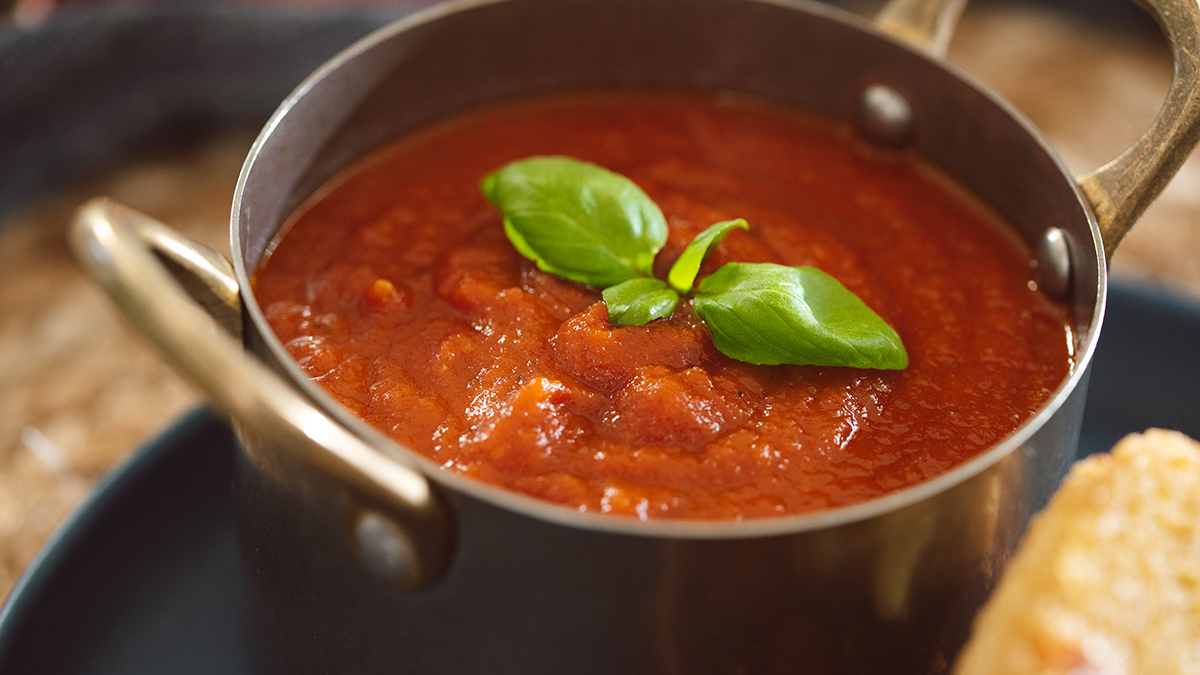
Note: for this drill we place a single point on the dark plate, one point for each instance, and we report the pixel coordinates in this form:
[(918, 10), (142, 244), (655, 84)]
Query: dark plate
[(144, 578)]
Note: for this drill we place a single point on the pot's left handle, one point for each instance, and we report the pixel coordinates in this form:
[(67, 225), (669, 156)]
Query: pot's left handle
[(134, 257)]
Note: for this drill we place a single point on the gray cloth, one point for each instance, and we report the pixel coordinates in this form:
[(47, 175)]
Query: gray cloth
[(97, 82)]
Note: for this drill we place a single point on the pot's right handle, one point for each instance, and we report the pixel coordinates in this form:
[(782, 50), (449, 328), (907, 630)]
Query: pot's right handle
[(1122, 189), (1119, 191), (125, 251), (929, 23)]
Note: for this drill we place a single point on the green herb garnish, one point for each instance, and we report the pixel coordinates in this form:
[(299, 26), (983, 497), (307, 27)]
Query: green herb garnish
[(683, 272), (591, 225), (639, 301), (577, 220), (772, 314)]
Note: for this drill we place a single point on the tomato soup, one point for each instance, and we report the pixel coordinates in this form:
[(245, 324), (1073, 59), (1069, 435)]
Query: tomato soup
[(396, 290)]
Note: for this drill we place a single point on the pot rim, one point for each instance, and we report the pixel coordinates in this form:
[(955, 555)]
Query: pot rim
[(1083, 345)]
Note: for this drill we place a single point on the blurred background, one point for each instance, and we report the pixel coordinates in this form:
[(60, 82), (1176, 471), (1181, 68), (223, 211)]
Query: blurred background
[(156, 103)]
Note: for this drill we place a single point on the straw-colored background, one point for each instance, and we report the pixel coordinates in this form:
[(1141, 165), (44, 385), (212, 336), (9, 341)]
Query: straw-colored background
[(78, 392)]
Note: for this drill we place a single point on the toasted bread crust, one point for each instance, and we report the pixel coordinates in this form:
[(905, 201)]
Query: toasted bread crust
[(1107, 581)]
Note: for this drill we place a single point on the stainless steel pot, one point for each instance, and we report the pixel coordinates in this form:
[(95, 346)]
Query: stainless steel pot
[(364, 557)]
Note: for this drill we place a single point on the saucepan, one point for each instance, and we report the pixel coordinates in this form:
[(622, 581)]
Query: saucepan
[(362, 556)]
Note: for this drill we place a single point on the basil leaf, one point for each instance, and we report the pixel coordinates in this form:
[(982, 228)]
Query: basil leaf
[(637, 302), (578, 220), (683, 272), (771, 314)]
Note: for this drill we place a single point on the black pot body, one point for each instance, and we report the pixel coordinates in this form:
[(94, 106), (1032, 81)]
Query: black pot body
[(887, 587)]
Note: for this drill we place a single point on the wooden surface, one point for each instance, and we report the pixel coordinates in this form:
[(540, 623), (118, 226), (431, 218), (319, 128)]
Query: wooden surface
[(78, 392)]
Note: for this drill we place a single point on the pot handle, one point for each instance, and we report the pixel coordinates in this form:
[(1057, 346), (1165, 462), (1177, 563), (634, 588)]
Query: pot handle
[(133, 257), (1119, 191), (928, 23), (1122, 189)]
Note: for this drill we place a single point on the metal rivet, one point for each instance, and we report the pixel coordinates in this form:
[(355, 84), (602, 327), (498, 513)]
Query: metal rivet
[(385, 548), (1054, 263), (884, 116)]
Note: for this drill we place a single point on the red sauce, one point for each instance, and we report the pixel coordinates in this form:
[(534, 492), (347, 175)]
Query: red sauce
[(396, 290)]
